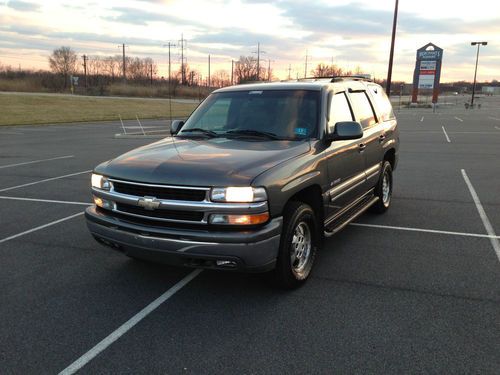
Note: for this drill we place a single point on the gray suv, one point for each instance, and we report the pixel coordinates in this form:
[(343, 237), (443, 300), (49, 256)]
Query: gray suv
[(254, 180)]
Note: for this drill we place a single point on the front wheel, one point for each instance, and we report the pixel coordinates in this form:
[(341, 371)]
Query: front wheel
[(383, 190), (298, 245)]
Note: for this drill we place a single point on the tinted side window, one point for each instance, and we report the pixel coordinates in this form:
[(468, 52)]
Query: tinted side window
[(339, 110), (362, 109), (384, 107)]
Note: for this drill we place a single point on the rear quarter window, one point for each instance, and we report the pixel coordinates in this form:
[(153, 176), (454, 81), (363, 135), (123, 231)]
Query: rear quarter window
[(382, 103), (362, 109)]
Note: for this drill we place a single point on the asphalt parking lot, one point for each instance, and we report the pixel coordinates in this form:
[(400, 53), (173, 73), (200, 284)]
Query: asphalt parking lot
[(416, 290)]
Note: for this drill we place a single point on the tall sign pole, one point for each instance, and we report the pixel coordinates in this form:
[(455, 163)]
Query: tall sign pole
[(475, 71), (391, 54)]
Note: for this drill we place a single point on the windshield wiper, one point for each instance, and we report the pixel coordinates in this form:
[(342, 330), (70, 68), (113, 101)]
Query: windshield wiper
[(209, 133), (253, 132)]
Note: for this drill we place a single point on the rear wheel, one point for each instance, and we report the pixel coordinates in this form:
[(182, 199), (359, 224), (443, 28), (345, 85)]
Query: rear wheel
[(383, 190), (298, 245)]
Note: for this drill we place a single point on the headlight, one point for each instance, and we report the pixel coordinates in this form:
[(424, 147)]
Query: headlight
[(245, 194), (100, 182)]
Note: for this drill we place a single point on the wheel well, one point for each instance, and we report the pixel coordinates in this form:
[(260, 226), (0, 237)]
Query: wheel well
[(390, 156), (313, 197)]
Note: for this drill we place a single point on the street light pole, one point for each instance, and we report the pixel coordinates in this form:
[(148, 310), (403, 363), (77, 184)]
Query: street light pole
[(475, 71), (391, 54)]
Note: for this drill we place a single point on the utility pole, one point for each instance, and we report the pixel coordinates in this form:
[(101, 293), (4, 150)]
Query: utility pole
[(182, 44), (124, 67), (232, 72), (289, 71), (391, 55), (475, 71), (269, 70), (208, 79), (169, 65), (85, 70), (258, 60), (305, 69), (151, 67)]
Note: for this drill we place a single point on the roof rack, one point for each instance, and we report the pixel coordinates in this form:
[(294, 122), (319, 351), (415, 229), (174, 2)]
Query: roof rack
[(358, 77)]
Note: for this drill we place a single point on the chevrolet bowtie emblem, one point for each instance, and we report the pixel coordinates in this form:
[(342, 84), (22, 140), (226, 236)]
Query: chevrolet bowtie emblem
[(149, 203)]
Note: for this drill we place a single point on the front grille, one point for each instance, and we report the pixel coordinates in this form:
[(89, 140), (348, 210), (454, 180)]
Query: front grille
[(170, 193), (161, 214)]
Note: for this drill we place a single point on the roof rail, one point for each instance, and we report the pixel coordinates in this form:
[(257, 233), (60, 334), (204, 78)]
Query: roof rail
[(356, 77)]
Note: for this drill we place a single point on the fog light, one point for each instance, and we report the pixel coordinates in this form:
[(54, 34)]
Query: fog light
[(255, 219), (225, 263), (103, 203)]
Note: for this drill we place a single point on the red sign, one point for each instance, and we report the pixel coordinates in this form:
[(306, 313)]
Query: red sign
[(427, 72)]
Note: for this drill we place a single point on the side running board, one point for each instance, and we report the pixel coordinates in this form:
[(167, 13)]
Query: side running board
[(336, 225)]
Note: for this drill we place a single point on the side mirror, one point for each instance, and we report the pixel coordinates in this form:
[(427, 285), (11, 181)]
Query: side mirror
[(346, 130), (175, 126)]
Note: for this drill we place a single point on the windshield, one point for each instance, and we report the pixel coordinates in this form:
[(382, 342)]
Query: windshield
[(277, 114)]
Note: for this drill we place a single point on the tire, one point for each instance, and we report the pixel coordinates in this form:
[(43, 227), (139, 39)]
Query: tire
[(383, 190), (299, 241)]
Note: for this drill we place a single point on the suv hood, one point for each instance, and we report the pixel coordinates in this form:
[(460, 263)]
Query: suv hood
[(201, 162)]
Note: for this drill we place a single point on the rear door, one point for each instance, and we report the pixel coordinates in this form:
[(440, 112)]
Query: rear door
[(345, 162), (373, 135)]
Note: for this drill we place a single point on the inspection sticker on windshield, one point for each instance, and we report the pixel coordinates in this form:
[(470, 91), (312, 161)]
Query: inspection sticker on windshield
[(255, 92), (300, 131)]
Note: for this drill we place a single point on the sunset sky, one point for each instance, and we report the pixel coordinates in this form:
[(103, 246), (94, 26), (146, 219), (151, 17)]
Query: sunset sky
[(347, 33)]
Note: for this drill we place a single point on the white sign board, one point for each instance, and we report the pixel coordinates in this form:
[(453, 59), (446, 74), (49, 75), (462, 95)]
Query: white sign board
[(426, 81), (427, 65)]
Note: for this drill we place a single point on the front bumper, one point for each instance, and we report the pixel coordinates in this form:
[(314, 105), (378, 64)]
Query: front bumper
[(244, 250)]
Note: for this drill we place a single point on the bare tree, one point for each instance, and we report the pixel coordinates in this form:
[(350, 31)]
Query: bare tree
[(324, 70), (112, 66), (246, 69), (63, 61), (220, 78)]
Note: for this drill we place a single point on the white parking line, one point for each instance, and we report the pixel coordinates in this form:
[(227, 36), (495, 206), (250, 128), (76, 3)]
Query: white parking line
[(36, 161), (496, 127), (459, 119), (482, 214), (44, 200), (125, 327), (45, 180), (445, 134), (40, 227), (426, 230), (11, 133), (494, 118), (422, 119)]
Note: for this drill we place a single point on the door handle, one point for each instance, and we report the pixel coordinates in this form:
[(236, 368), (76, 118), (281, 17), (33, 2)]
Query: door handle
[(381, 138), (362, 147)]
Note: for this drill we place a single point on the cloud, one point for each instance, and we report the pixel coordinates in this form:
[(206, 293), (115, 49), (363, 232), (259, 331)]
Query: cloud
[(23, 6), (139, 17)]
